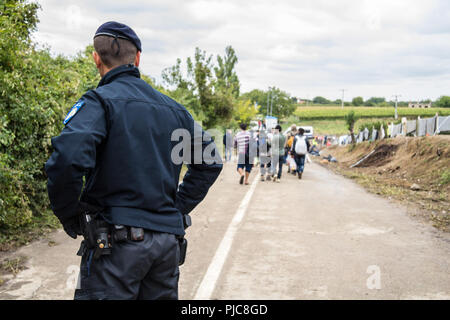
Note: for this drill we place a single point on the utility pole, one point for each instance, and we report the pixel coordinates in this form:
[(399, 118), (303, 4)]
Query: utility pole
[(343, 90), (396, 104), (271, 104)]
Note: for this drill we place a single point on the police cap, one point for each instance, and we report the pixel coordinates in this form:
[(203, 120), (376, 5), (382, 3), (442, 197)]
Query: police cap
[(119, 30)]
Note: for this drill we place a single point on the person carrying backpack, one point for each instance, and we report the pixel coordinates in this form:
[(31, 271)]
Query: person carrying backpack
[(288, 147), (300, 148)]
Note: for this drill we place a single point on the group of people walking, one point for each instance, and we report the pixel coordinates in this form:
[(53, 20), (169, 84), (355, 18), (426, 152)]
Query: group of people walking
[(268, 148)]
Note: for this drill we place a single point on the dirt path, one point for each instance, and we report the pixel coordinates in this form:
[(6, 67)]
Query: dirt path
[(323, 237)]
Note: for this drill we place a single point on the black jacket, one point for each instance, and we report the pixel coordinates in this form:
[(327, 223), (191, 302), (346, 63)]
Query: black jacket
[(121, 141)]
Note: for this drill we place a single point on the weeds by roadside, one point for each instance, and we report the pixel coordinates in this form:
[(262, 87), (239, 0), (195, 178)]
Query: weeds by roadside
[(12, 266), (39, 227)]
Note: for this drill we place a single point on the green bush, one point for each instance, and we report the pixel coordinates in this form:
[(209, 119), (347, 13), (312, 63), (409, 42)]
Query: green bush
[(37, 90), (443, 102)]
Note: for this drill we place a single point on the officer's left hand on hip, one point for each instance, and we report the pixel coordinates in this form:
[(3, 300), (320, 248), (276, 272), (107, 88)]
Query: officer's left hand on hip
[(72, 227)]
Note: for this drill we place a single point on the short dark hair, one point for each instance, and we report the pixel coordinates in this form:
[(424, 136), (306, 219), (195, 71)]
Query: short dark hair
[(278, 127), (115, 51), (243, 126), (301, 131)]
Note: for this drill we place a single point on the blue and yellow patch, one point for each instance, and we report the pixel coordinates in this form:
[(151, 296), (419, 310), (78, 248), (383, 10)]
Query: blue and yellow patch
[(73, 111)]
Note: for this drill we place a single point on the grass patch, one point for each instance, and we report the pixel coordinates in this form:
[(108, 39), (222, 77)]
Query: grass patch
[(13, 266), (36, 229), (445, 177)]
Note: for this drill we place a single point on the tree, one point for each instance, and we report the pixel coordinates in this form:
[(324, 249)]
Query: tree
[(443, 102), (320, 100), (259, 97), (281, 102), (227, 79), (374, 101), (350, 120), (358, 101), (245, 111), (199, 91), (283, 105)]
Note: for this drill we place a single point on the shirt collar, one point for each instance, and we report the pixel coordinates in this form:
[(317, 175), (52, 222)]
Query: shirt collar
[(116, 72)]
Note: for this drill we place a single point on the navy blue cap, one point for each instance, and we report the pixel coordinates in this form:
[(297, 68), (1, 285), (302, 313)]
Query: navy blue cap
[(119, 30)]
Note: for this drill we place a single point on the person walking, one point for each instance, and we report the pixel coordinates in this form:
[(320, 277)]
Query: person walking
[(288, 147), (299, 151), (264, 149), (278, 143), (112, 177), (245, 161), (228, 144)]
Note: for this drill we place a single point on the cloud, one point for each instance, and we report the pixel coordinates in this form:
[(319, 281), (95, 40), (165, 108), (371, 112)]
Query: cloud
[(308, 47)]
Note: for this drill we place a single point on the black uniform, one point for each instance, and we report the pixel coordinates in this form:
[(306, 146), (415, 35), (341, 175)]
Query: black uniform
[(118, 137)]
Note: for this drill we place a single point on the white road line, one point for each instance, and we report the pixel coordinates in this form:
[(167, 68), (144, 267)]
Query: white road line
[(209, 281)]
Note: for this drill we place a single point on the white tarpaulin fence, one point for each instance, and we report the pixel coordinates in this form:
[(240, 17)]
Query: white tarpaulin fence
[(443, 124), (417, 128)]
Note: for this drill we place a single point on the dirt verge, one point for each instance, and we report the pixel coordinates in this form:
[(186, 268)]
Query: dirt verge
[(414, 171)]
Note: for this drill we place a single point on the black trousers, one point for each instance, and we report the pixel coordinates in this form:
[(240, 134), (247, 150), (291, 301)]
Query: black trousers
[(144, 270)]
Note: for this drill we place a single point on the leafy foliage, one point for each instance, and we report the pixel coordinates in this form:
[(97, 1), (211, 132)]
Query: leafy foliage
[(245, 111), (350, 120), (321, 100), (206, 94), (283, 105), (443, 102), (358, 101), (36, 92)]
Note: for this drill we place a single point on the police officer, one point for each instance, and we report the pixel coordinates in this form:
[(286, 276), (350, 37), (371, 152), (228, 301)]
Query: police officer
[(118, 138)]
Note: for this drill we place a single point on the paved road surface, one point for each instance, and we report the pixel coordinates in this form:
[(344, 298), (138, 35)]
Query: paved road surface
[(323, 237)]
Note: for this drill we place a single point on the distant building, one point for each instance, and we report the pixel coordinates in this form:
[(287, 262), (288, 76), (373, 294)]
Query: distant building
[(419, 105)]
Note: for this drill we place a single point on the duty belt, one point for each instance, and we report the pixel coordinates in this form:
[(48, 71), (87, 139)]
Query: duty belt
[(122, 233)]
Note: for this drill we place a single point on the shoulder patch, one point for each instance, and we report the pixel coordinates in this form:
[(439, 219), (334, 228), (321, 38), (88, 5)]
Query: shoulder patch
[(73, 111)]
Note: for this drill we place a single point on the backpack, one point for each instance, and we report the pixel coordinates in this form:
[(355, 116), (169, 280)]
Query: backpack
[(300, 146), (290, 141)]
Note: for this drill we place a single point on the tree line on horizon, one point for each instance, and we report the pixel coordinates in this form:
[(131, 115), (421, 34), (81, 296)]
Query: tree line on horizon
[(441, 102)]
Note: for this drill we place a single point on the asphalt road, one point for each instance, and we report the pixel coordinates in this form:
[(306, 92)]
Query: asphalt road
[(322, 237)]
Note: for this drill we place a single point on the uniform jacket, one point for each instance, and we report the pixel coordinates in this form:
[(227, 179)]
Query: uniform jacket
[(120, 141)]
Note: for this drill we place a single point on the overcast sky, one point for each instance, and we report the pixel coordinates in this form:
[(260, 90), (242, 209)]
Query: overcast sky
[(305, 47)]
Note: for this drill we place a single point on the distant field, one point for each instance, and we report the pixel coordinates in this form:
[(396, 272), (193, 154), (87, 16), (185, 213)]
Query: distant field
[(335, 126), (321, 113)]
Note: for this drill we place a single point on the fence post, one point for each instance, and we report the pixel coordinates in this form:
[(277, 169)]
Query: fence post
[(436, 128), (404, 126), (417, 126)]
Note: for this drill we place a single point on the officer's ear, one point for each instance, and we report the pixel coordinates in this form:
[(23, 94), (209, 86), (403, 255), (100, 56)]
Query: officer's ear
[(98, 61), (137, 59)]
